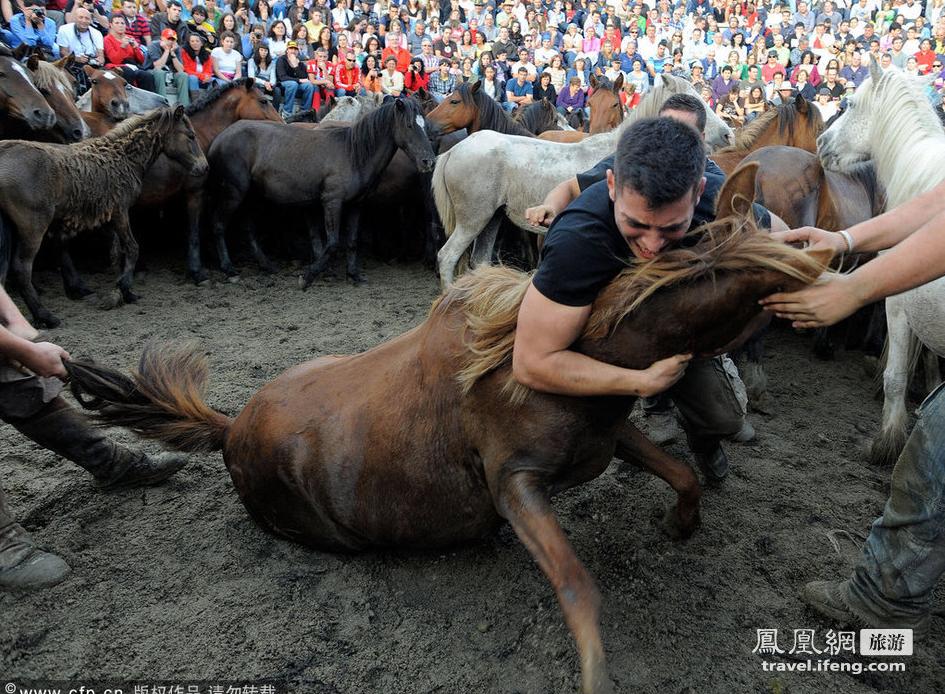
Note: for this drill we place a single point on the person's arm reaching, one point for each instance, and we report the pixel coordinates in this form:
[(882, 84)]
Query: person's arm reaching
[(542, 358), (916, 260), (560, 197)]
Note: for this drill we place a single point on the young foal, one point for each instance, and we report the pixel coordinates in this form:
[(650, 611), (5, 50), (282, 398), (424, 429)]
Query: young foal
[(85, 186), (426, 440)]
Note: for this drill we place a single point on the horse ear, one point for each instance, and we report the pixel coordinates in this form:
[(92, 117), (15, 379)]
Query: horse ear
[(89, 70), (875, 70), (738, 192), (22, 51), (32, 63), (618, 84), (665, 80), (249, 83), (5, 50), (593, 82), (178, 112), (477, 85), (400, 105), (800, 103)]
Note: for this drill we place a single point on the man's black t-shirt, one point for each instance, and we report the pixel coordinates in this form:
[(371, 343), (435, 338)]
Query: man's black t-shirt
[(584, 250)]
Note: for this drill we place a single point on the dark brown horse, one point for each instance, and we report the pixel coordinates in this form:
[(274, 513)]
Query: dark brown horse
[(58, 88), (426, 440), (331, 166), (22, 107), (797, 124), (109, 100), (86, 186)]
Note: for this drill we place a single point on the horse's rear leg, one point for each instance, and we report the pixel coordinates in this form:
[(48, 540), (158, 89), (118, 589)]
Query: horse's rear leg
[(22, 266), (523, 502), (71, 280), (633, 446), (892, 435), (484, 244), (452, 251), (129, 252), (753, 372), (263, 260), (225, 207)]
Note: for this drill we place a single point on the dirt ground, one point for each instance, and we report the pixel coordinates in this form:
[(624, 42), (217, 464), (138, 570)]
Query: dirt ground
[(176, 582)]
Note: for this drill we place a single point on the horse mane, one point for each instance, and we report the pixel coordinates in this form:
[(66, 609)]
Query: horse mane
[(48, 76), (374, 128), (908, 160), (787, 117), (538, 117), (491, 115), (212, 96), (865, 174), (490, 296)]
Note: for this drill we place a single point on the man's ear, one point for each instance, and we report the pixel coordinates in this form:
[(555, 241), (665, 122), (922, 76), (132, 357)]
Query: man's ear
[(611, 185)]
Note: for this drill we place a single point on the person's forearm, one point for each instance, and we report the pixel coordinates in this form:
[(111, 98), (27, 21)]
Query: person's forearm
[(562, 195), (577, 375), (13, 346), (890, 228), (918, 259), (9, 311)]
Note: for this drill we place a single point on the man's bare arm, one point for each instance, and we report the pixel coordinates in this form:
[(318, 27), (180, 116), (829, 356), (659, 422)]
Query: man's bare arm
[(542, 358), (560, 197)]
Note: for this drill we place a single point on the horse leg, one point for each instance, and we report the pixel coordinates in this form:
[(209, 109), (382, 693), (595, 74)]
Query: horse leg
[(753, 373), (522, 501), (452, 251), (332, 218), (824, 347), (71, 280), (484, 244), (435, 236), (263, 260), (930, 370), (682, 519), (22, 266), (195, 268), (352, 219), (129, 253), (892, 435), (226, 207)]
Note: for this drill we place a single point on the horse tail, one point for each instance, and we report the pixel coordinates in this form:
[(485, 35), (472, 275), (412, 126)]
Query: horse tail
[(441, 194), (163, 400)]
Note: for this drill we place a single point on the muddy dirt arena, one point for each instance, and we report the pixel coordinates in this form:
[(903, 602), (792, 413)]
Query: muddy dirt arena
[(176, 581)]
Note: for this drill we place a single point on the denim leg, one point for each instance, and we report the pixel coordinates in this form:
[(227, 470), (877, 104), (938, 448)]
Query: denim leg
[(904, 555), (289, 88), (307, 91), (193, 83)]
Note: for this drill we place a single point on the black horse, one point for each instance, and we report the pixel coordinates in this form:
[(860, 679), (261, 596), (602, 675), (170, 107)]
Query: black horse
[(334, 166)]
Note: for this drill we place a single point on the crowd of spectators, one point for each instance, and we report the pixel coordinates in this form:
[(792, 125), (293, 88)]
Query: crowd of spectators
[(741, 56)]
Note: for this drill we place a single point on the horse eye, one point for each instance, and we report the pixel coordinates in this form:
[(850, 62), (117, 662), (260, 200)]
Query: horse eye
[(454, 101), (3, 74)]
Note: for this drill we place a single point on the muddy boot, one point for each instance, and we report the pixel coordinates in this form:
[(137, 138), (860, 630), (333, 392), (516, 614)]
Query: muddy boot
[(66, 431), (710, 456), (22, 565)]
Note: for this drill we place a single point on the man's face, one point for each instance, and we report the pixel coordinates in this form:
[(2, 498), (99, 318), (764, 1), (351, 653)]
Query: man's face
[(83, 18), (646, 230), (173, 12), (129, 9)]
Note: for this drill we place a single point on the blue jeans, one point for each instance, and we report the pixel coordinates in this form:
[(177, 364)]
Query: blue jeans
[(193, 83), (291, 88), (507, 105), (904, 555)]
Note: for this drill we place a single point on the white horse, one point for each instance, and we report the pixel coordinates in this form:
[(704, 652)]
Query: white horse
[(349, 108), (890, 121), (488, 174)]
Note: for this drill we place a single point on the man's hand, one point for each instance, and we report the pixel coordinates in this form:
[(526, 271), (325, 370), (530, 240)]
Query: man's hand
[(45, 359), (541, 215), (814, 237), (663, 374), (830, 300)]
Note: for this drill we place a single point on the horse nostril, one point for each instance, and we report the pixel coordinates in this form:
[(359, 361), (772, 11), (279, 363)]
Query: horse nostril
[(77, 133)]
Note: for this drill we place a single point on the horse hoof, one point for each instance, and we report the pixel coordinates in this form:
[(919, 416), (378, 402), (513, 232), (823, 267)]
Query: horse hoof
[(357, 279), (110, 300), (675, 527), (47, 320), (200, 278), (130, 297)]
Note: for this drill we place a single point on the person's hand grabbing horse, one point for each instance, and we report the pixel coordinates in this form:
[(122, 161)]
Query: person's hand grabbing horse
[(45, 359), (830, 300), (663, 374), (541, 215), (814, 238)]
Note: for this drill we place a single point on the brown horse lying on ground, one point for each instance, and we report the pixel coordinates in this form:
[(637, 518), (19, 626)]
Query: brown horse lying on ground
[(426, 440)]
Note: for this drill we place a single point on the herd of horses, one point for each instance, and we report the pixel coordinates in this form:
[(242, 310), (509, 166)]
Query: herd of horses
[(430, 449)]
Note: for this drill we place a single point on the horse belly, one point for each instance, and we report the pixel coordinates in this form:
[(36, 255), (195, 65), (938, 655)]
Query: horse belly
[(344, 464)]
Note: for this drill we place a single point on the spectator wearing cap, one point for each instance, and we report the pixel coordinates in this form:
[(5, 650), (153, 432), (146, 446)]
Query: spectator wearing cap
[(771, 67), (163, 58), (697, 72), (545, 52), (169, 19), (33, 28), (293, 79)]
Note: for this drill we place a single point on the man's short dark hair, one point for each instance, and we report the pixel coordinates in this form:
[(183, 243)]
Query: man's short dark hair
[(660, 159), (688, 104)]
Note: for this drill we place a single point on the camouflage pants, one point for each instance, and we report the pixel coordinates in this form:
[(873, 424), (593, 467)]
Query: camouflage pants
[(904, 555)]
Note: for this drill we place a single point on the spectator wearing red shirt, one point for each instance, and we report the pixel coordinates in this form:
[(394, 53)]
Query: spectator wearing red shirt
[(402, 55), (123, 54), (925, 57), (347, 76), (417, 77), (769, 69)]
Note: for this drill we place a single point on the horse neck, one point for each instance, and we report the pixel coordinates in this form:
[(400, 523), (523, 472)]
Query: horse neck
[(497, 120), (907, 160), (378, 156), (136, 150), (213, 120)]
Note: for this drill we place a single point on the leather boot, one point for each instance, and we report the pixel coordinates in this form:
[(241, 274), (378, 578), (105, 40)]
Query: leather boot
[(66, 431), (710, 456), (22, 565)]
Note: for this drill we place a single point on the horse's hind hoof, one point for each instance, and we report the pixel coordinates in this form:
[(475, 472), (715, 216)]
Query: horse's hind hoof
[(110, 300), (47, 320), (200, 278), (674, 526)]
